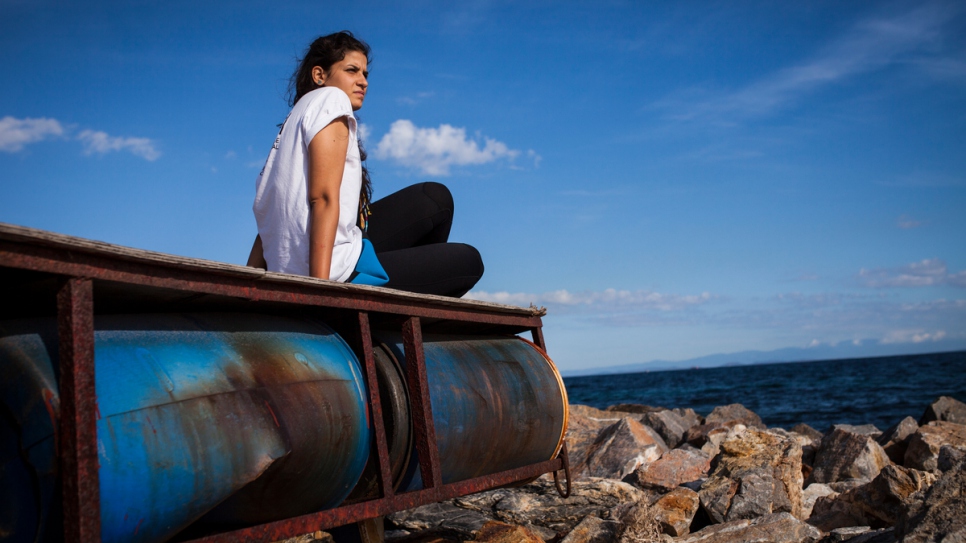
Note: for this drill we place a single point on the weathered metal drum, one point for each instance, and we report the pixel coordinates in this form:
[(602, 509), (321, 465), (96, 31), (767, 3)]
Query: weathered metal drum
[(498, 403), (240, 418)]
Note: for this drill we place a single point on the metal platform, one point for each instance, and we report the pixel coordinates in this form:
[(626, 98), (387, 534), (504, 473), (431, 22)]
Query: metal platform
[(53, 275)]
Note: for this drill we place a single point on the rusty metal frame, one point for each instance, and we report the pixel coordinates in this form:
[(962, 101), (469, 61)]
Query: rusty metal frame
[(82, 265)]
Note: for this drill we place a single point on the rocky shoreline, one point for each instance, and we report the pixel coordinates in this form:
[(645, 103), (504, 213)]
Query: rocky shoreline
[(646, 474)]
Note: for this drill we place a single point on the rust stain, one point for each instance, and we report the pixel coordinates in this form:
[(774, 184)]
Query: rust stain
[(277, 425)]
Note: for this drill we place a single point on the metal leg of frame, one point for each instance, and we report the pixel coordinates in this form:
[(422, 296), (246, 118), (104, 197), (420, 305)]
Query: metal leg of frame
[(382, 447), (77, 429), (422, 411)]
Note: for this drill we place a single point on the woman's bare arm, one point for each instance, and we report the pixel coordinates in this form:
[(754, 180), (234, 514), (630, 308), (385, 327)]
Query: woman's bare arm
[(327, 153), (256, 259)]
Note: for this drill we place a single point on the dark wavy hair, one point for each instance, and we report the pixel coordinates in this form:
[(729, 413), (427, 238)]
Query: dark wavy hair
[(324, 52)]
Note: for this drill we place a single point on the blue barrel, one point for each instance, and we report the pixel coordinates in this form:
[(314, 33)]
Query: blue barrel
[(229, 418), (498, 403)]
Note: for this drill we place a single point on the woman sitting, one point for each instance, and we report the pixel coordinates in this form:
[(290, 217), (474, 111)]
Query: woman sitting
[(312, 197)]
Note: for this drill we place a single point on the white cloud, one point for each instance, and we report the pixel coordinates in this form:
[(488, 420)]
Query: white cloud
[(912, 336), (364, 132), (434, 150), (609, 298), (925, 273), (102, 143), (869, 46), (15, 133)]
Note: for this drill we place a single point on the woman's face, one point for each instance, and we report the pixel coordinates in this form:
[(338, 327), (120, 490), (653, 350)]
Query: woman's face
[(349, 74)]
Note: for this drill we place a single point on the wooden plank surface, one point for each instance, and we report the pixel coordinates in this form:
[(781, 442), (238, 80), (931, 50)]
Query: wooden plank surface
[(43, 238)]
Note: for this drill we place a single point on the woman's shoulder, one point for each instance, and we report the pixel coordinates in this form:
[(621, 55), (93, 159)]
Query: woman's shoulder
[(326, 98)]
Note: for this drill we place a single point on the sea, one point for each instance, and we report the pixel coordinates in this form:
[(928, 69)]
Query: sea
[(879, 391)]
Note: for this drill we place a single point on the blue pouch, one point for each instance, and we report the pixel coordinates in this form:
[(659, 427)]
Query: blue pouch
[(368, 269)]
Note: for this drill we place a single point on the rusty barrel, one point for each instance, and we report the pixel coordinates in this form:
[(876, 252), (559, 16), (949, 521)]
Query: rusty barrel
[(498, 403), (229, 418)]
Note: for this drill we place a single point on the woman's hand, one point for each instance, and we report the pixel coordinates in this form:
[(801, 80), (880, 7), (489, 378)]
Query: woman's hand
[(327, 153)]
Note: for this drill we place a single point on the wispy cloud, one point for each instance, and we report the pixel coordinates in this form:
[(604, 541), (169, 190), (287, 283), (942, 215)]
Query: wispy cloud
[(925, 273), (597, 300), (97, 142), (16, 133), (434, 150), (869, 46), (907, 223), (912, 336)]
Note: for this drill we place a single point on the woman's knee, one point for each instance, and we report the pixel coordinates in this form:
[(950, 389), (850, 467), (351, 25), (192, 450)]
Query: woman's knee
[(438, 193), (470, 260)]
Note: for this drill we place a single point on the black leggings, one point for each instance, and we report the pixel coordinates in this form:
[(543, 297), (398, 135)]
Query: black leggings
[(409, 229)]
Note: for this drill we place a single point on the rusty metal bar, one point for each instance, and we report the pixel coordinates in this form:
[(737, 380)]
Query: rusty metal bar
[(375, 407), (102, 268), (360, 511), (77, 429), (422, 410), (537, 333)]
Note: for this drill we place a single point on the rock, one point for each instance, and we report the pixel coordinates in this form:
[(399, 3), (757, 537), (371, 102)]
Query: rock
[(709, 437), (807, 431), (584, 425), (634, 408), (668, 424), (948, 457), (691, 418), (812, 493), (675, 510), (730, 415), (875, 504), (593, 530), (945, 409), (316, 537), (863, 429), (846, 484), (501, 532), (884, 535), (923, 450), (773, 528), (436, 516), (622, 448), (939, 514), (757, 473), (844, 534), (845, 455), (895, 440), (674, 468), (859, 534), (538, 504)]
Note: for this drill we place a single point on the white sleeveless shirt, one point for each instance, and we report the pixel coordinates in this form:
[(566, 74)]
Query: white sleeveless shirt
[(281, 191)]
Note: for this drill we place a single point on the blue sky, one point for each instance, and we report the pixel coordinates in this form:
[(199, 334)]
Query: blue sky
[(669, 180)]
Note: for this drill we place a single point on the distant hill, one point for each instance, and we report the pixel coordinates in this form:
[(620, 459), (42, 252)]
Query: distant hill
[(863, 349)]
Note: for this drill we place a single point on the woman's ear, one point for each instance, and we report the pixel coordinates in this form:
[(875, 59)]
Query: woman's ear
[(318, 75)]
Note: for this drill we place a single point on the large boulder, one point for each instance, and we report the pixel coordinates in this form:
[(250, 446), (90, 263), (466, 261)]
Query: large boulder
[(774, 528), (500, 532), (584, 425), (730, 415), (636, 408), (670, 425), (435, 517), (674, 468), (875, 504), (689, 415), (593, 530), (621, 449), (709, 437), (757, 473), (924, 445), (538, 504), (811, 494), (895, 439), (675, 510), (846, 455), (945, 409), (939, 514)]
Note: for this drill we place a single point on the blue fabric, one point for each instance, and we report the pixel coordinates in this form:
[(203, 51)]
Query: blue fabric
[(368, 269)]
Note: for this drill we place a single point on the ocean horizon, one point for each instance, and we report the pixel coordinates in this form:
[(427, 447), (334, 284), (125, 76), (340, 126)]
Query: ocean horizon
[(875, 390)]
